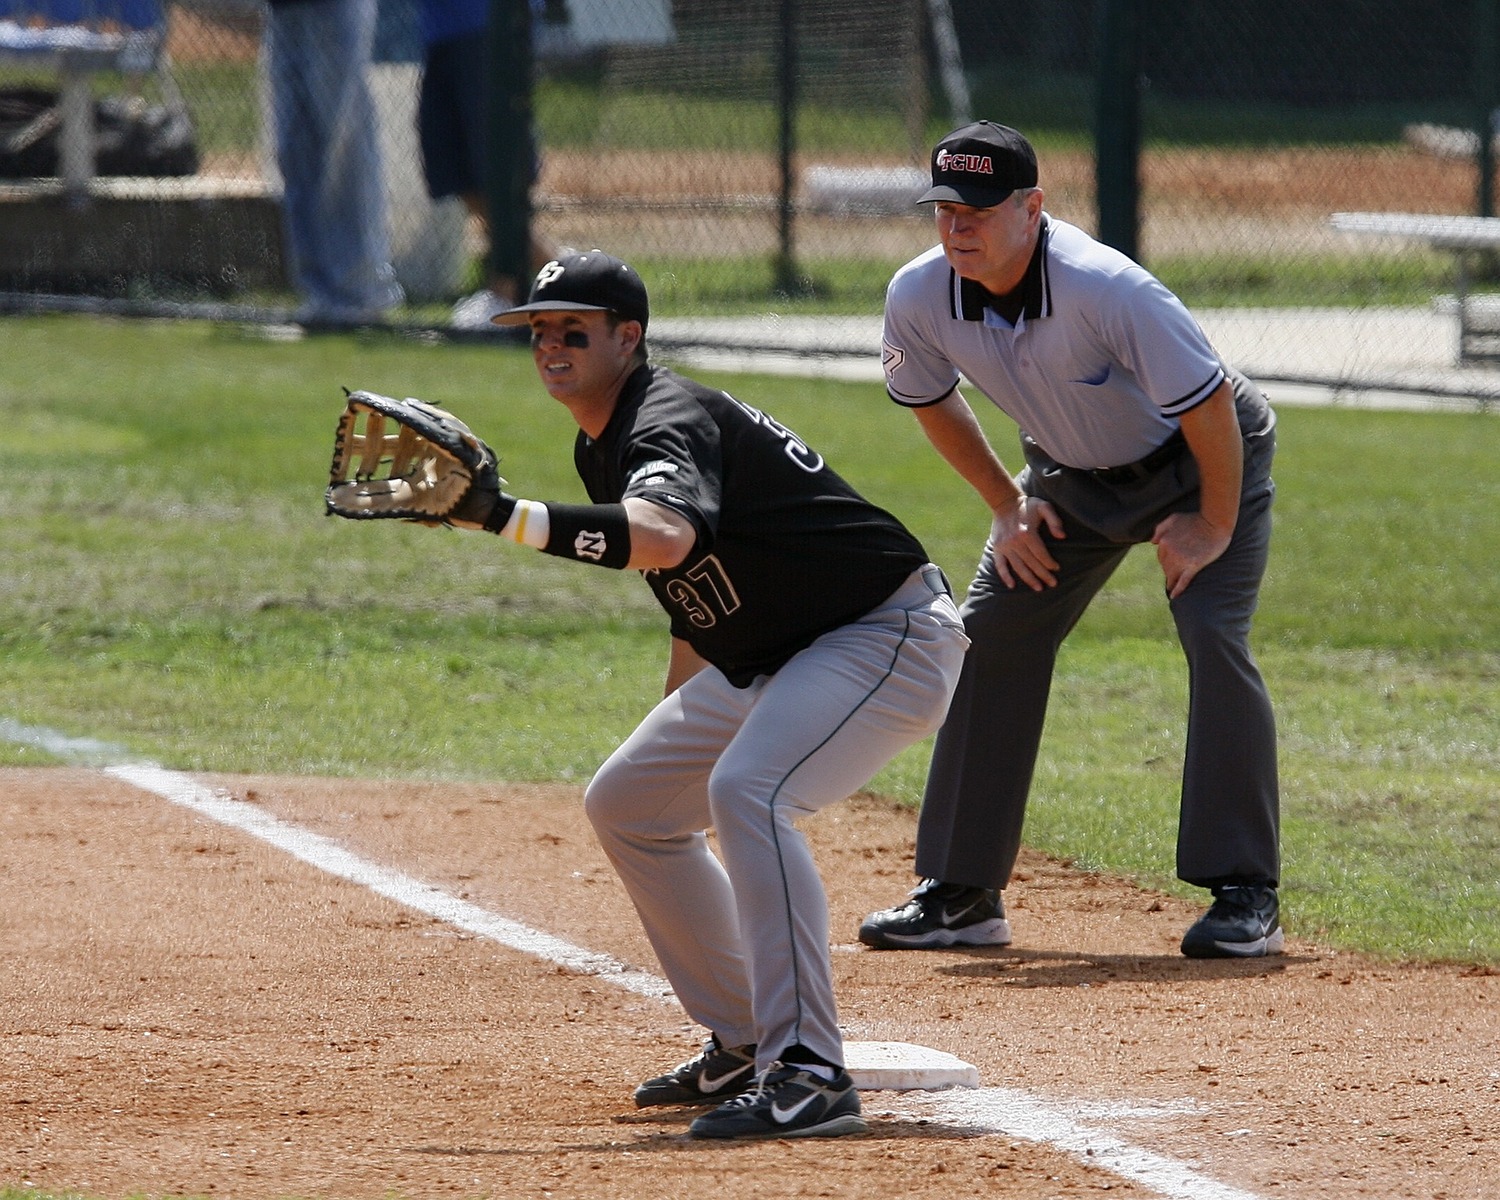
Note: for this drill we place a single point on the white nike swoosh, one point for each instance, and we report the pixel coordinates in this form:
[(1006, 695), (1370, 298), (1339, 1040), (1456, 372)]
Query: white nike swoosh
[(783, 1115), (712, 1083), (950, 917)]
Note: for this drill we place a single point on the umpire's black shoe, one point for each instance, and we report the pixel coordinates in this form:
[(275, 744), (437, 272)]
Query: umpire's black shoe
[(1243, 922), (716, 1073), (939, 914)]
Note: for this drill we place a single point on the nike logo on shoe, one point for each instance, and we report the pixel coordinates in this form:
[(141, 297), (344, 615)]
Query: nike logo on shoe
[(712, 1083), (951, 916), (1272, 943), (784, 1115)]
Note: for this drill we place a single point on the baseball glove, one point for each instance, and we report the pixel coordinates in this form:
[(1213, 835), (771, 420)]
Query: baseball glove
[(409, 460)]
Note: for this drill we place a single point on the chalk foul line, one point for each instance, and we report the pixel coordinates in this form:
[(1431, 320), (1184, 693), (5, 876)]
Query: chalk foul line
[(327, 855), (995, 1110)]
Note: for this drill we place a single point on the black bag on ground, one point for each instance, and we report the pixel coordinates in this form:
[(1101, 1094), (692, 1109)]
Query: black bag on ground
[(131, 137)]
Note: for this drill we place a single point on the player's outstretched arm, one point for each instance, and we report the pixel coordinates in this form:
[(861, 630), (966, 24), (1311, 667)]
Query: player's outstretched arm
[(409, 460), (637, 534)]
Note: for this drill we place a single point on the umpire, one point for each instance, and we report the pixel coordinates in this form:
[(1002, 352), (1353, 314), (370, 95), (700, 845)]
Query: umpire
[(1133, 430)]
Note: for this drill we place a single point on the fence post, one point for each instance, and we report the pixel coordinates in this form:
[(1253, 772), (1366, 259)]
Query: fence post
[(1485, 38), (950, 67), (1117, 127), (917, 68), (786, 265), (510, 151)]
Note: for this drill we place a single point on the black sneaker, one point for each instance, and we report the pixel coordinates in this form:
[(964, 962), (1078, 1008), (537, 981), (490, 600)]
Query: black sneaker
[(715, 1074), (1243, 922), (786, 1102), (939, 914)]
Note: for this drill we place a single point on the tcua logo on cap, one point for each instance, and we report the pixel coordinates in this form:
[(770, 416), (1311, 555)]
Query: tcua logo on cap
[(979, 164)]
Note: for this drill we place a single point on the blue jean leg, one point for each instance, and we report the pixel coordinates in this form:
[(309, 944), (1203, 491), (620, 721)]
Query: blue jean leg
[(334, 209)]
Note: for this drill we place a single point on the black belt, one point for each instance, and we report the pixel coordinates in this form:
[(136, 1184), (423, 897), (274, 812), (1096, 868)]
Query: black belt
[(1142, 468)]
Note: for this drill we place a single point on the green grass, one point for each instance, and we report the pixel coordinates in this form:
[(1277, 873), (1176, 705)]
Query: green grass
[(168, 583), (1059, 108), (570, 114), (856, 286), (749, 284), (1409, 279)]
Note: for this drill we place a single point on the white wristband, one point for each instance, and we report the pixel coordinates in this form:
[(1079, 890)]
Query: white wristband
[(529, 524)]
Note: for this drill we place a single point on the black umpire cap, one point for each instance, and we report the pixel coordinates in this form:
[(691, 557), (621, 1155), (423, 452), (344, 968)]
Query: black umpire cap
[(584, 281), (980, 165)]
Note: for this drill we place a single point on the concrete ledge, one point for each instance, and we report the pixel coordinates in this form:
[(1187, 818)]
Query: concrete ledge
[(872, 191), (222, 237), (1485, 304)]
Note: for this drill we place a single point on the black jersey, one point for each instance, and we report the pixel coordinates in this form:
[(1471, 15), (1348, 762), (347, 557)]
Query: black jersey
[(786, 550)]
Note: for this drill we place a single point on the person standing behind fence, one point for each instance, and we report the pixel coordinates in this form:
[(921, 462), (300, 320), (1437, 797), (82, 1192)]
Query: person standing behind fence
[(453, 123), (327, 148), (1133, 430)]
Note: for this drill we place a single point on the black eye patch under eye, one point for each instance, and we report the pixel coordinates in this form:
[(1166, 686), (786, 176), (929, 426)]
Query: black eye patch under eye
[(574, 339)]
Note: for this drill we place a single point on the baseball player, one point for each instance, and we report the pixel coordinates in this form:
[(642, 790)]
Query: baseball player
[(812, 640), (1133, 431)]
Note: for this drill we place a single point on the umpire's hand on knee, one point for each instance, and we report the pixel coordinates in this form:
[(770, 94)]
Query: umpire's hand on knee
[(1017, 545), (1186, 543)]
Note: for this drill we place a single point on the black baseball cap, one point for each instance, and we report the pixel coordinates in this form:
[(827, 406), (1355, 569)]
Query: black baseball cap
[(980, 165), (584, 281)]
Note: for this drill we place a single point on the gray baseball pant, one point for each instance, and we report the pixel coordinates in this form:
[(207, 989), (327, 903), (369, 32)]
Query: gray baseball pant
[(983, 760), (744, 942)]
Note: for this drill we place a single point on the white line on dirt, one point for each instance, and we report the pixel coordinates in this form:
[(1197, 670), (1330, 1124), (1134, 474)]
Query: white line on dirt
[(1019, 1114), (991, 1110), (328, 855)]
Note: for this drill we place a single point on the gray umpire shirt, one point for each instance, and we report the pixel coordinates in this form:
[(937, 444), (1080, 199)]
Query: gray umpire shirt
[(1096, 369)]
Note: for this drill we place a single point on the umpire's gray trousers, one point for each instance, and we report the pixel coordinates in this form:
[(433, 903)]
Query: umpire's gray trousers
[(745, 943), (984, 756)]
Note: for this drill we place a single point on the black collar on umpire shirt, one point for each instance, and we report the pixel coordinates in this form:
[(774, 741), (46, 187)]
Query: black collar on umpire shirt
[(969, 298)]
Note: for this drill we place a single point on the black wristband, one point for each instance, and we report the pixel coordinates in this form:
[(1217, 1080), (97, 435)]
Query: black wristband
[(594, 533), (499, 515)]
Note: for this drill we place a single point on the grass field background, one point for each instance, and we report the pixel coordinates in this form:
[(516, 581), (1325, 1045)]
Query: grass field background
[(169, 583)]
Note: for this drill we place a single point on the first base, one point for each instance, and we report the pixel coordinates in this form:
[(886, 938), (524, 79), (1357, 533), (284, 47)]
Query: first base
[(903, 1067)]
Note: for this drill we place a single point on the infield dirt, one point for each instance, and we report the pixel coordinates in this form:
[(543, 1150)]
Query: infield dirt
[(188, 1011)]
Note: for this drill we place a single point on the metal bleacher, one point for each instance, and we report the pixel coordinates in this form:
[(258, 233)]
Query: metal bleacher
[(78, 39)]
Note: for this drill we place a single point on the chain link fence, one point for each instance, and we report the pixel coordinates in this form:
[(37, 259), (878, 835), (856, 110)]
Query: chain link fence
[(757, 159)]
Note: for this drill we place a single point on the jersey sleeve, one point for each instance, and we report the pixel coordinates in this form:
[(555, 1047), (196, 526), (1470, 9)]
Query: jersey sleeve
[(674, 457), (1155, 337), (916, 372)]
